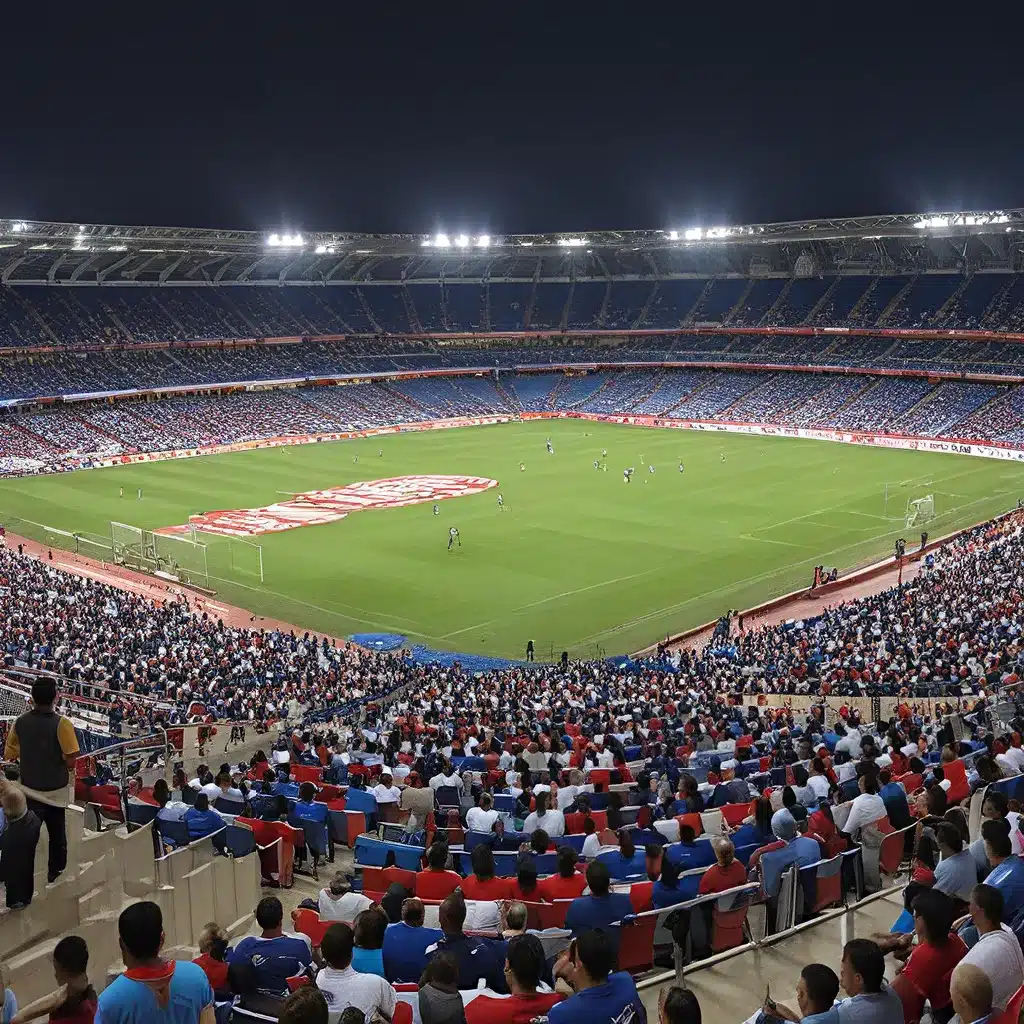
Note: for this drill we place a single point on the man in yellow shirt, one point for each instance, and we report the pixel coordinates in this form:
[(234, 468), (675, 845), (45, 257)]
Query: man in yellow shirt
[(45, 746)]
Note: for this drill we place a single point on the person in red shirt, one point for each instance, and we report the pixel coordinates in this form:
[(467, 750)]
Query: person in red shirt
[(726, 874), (482, 884), (435, 882), (524, 886), (524, 968), (568, 883), (213, 947), (925, 976), (74, 1001)]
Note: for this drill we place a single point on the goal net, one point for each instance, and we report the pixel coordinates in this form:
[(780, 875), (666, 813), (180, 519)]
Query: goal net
[(132, 546), (232, 558), (920, 511), (181, 556)]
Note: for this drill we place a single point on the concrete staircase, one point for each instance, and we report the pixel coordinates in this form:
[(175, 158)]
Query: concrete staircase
[(108, 871)]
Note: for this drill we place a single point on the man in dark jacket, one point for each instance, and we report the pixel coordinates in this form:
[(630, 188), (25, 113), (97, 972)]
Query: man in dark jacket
[(18, 843)]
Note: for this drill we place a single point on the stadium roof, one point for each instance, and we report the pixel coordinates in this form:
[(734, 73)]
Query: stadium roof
[(96, 254)]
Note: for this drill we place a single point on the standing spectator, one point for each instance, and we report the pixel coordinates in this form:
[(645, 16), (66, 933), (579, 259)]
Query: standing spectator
[(343, 986), (406, 942), (997, 951), (74, 1000), (600, 995), (45, 745), (18, 843), (151, 988), (274, 954), (524, 968)]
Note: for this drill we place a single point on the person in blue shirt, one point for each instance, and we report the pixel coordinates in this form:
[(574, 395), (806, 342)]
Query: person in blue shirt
[(895, 799), (1007, 874), (688, 853), (477, 958), (666, 891), (151, 988), (627, 861), (200, 820), (405, 943), (275, 955), (816, 993), (602, 908), (600, 994)]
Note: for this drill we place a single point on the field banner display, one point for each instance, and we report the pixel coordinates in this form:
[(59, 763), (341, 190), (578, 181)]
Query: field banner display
[(317, 508)]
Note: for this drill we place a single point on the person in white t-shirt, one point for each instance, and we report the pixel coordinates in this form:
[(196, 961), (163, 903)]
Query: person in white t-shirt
[(817, 778), (482, 818), (446, 776), (997, 951), (338, 902), (605, 758), (343, 987), (386, 792), (552, 821), (867, 808)]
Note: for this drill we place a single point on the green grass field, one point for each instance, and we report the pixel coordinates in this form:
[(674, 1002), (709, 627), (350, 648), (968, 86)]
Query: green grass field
[(578, 560)]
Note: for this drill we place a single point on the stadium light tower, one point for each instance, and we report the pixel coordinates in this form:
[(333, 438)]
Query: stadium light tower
[(441, 240), (462, 241), (285, 241), (483, 241)]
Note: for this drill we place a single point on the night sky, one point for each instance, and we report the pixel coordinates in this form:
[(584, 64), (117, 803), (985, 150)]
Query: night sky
[(543, 117)]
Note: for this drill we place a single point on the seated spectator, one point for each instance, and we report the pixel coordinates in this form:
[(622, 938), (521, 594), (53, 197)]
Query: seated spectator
[(816, 993), (247, 996), (227, 789), (678, 1006), (483, 817), (476, 957), (727, 873), (1007, 872), (627, 861), (440, 1001), (306, 1005), (895, 799), (524, 968), (796, 809), (513, 917), (483, 884), (757, 829), (599, 995), (971, 994), (665, 892), (344, 986), (8, 1000), (862, 975), (213, 950), (601, 908), (18, 843), (956, 873), (133, 995), (73, 1002), (552, 821), (997, 951), (337, 902), (170, 810), (406, 942), (386, 792), (690, 852), (201, 820), (369, 928), (818, 780), (436, 881), (567, 883), (925, 977), (525, 885), (867, 808), (275, 955)]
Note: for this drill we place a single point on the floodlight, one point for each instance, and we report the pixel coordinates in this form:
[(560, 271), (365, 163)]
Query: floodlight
[(673, 236), (441, 241), (274, 240), (320, 250), (483, 241), (932, 222), (526, 243), (426, 242), (719, 232), (694, 234), (572, 243), (18, 226), (462, 241)]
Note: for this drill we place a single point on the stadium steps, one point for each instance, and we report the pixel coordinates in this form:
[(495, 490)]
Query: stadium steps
[(485, 303), (367, 309), (96, 429), (897, 301), (855, 397), (31, 435), (508, 397), (36, 315), (950, 305), (779, 303), (823, 302), (724, 414), (984, 412), (122, 326), (740, 302), (996, 309), (552, 398), (691, 316), (410, 311), (257, 331), (603, 311), (563, 320), (528, 312), (711, 378), (856, 308)]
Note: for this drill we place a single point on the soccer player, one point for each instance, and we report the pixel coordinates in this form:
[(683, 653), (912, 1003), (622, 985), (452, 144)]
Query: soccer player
[(122, 492), (453, 538), (604, 453), (626, 474), (355, 458), (680, 465), (650, 468), (551, 450), (139, 496), (722, 456), (380, 453), (501, 503), (597, 465), (522, 467), (437, 509)]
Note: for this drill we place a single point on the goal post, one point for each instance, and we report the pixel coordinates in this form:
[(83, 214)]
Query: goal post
[(182, 556), (133, 546), (920, 511), (232, 558)]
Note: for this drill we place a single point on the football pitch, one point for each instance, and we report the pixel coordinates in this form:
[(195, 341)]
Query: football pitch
[(577, 560)]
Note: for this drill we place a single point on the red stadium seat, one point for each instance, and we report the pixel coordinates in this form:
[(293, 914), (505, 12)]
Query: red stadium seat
[(636, 944), (308, 922)]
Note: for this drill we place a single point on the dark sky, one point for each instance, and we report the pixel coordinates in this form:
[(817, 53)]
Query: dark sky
[(545, 117)]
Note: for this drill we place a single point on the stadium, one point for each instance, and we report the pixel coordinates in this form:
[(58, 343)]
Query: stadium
[(650, 528)]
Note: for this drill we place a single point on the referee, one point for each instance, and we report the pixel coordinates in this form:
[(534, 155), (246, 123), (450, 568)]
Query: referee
[(45, 745)]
